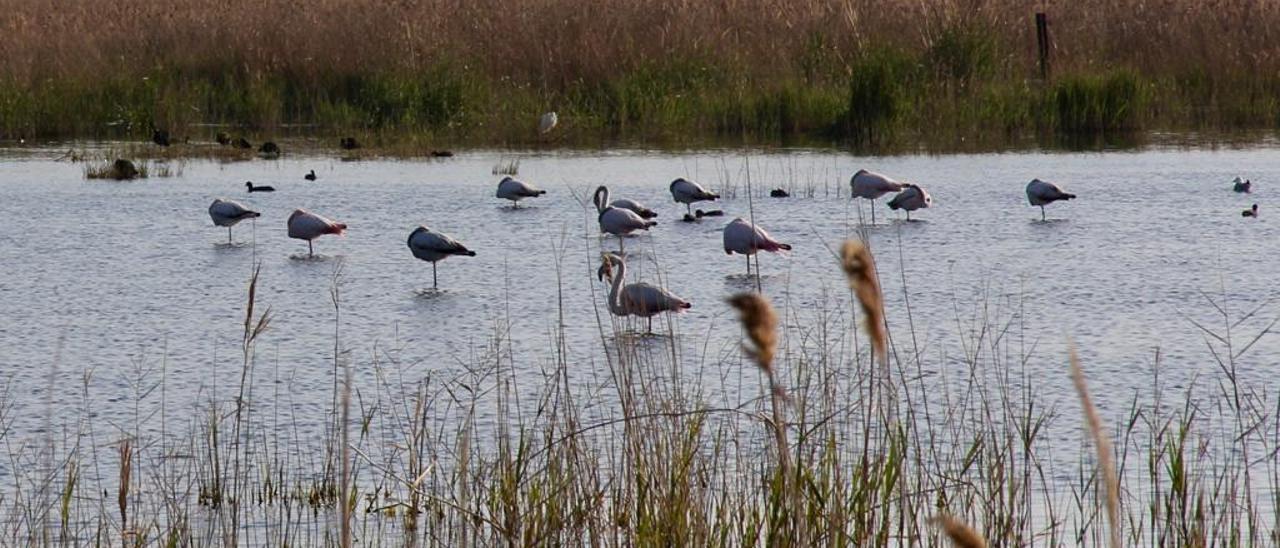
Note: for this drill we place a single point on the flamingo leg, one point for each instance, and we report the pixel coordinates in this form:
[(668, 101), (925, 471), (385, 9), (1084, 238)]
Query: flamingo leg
[(748, 266), (1041, 213), (433, 275), (873, 212), (908, 216), (311, 252), (622, 248), (228, 235), (688, 208), (650, 320)]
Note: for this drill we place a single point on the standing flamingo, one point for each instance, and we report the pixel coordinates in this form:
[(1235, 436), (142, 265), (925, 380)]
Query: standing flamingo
[(305, 225), (912, 198), (616, 220), (230, 212), (637, 299), (434, 247), (747, 239), (687, 192), (516, 190), (872, 185), (1042, 193)]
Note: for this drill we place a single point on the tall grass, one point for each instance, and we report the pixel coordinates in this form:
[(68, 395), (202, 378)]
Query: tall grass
[(885, 71), (857, 438)]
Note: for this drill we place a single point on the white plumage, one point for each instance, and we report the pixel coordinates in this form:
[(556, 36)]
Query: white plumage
[(1042, 193), (637, 299), (872, 185), (910, 199), (616, 220), (516, 190), (687, 192), (305, 225), (747, 239), (434, 247), (639, 208), (228, 213), (547, 122)]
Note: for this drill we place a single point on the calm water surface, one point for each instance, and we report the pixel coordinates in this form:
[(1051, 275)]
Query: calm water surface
[(123, 280)]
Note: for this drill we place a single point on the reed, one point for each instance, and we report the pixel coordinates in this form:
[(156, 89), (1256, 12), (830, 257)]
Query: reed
[(883, 72)]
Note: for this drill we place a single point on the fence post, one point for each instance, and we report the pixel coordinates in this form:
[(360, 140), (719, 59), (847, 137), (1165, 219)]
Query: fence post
[(1042, 44)]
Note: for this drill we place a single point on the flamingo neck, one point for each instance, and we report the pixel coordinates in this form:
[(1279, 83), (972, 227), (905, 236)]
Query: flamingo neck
[(615, 302), (602, 199)]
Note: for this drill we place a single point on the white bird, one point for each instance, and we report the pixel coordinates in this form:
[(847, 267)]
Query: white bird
[(516, 190), (637, 299), (547, 122), (1042, 193), (872, 185), (687, 192), (305, 225), (639, 208), (747, 239), (434, 247), (229, 212), (910, 199), (616, 220)]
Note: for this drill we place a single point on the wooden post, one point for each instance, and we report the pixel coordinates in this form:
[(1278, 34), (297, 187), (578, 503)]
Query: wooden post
[(1042, 44)]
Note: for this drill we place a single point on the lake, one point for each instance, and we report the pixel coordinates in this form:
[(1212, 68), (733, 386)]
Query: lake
[(129, 284)]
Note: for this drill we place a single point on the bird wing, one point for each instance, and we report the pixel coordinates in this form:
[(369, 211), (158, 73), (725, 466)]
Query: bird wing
[(643, 299)]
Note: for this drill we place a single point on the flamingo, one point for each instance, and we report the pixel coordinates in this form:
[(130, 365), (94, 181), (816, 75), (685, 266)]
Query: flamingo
[(637, 299), (912, 198), (639, 208), (515, 190), (229, 212), (305, 225), (616, 220), (687, 192), (872, 185), (747, 239), (547, 122), (1042, 193), (1251, 212), (434, 247)]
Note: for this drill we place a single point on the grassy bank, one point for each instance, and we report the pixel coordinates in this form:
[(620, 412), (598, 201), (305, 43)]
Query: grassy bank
[(660, 71)]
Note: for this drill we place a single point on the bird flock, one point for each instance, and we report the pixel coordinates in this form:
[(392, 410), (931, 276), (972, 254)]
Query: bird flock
[(623, 217)]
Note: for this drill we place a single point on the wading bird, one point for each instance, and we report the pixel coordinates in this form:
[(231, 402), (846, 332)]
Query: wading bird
[(747, 239), (688, 192), (871, 185), (637, 299), (910, 199), (434, 247), (616, 220), (229, 212), (1042, 193), (305, 225), (515, 190), (547, 122)]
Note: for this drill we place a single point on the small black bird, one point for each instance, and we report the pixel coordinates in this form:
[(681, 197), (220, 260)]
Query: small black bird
[(160, 137), (243, 143), (349, 143), (311, 176), (779, 193), (1251, 212), (222, 139), (262, 188), (442, 153), (269, 149)]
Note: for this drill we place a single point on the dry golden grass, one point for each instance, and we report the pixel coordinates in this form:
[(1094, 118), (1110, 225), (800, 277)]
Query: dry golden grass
[(961, 535), (860, 269), (1103, 445)]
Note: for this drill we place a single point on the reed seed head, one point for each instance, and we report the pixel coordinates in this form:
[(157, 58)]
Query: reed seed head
[(860, 269), (761, 325), (961, 535)]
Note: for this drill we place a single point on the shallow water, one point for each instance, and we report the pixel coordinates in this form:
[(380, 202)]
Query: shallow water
[(122, 280)]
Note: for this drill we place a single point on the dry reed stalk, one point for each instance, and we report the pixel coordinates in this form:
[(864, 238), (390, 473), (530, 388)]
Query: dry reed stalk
[(1103, 446), (961, 535), (125, 472), (860, 269)]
